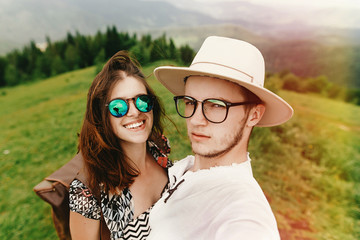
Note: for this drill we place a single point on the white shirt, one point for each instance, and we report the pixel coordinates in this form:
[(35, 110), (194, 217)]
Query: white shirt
[(222, 202)]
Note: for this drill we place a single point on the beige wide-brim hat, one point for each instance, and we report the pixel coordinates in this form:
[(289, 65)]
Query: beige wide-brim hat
[(233, 60)]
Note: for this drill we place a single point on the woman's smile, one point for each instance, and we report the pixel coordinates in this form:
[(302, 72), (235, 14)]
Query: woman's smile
[(135, 125)]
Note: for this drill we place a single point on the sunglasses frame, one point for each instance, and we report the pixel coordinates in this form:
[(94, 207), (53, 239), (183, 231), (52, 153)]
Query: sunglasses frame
[(134, 99)]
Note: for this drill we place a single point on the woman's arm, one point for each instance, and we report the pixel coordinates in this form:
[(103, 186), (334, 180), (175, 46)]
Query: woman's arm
[(82, 228), (85, 212)]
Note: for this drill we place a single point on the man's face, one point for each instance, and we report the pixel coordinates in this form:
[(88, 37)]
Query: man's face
[(211, 139)]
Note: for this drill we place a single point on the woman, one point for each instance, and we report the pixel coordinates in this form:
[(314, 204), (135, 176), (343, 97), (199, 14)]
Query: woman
[(124, 154)]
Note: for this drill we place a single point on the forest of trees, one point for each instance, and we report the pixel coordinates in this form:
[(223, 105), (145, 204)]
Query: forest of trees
[(313, 85), (79, 51)]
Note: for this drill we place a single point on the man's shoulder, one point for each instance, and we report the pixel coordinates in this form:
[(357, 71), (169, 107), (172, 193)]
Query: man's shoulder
[(187, 161), (181, 166)]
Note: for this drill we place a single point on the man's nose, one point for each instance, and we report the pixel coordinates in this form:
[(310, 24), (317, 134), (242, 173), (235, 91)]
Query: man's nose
[(198, 117)]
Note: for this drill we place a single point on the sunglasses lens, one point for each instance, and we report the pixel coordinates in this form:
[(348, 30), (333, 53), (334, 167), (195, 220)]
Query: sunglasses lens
[(144, 103), (118, 107)]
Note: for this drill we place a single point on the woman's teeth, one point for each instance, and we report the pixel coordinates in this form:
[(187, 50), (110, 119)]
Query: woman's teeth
[(134, 125)]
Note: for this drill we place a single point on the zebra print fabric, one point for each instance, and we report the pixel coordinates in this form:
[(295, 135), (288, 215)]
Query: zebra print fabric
[(138, 229), (117, 211)]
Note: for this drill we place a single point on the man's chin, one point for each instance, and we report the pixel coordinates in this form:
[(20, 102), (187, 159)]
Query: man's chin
[(208, 154)]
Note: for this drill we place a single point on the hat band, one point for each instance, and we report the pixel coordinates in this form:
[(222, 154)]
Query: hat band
[(223, 70)]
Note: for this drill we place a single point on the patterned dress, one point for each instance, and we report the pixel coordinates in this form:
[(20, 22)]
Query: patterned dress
[(117, 209)]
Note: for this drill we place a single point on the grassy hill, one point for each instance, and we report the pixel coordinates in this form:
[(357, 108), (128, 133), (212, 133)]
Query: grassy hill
[(307, 167)]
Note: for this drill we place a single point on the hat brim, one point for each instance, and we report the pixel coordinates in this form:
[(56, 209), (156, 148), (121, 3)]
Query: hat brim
[(277, 110)]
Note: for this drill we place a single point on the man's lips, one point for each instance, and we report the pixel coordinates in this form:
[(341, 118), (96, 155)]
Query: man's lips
[(199, 136)]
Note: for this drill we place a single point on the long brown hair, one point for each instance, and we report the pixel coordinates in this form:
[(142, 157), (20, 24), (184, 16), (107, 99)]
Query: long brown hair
[(105, 161)]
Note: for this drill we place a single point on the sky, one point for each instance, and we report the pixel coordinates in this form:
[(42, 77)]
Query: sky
[(330, 13), (305, 3), (312, 3)]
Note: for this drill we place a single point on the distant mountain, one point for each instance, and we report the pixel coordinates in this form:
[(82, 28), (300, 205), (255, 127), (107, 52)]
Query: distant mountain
[(275, 13), (287, 22), (23, 20)]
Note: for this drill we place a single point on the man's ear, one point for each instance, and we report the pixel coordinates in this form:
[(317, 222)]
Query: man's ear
[(255, 115)]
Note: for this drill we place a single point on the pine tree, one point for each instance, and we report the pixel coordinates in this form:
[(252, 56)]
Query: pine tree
[(3, 64)]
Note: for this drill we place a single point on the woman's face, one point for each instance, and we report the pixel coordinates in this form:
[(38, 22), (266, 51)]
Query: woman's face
[(135, 126)]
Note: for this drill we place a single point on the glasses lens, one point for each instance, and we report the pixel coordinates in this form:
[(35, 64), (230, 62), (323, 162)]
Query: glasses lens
[(215, 110), (118, 107), (185, 106), (144, 103)]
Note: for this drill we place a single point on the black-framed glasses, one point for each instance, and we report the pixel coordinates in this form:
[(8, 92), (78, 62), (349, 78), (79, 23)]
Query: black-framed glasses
[(214, 110), (119, 107)]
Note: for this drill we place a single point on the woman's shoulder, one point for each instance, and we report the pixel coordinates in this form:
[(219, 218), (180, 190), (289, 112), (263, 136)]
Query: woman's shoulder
[(82, 201), (160, 153), (76, 183)]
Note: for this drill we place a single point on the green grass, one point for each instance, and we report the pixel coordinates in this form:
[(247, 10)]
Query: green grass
[(307, 167)]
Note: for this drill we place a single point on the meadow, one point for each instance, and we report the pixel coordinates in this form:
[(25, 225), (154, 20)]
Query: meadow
[(308, 168)]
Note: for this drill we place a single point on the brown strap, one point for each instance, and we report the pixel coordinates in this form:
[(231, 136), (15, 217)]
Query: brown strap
[(104, 230)]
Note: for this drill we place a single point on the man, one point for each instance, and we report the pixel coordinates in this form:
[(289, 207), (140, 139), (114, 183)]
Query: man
[(213, 194)]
